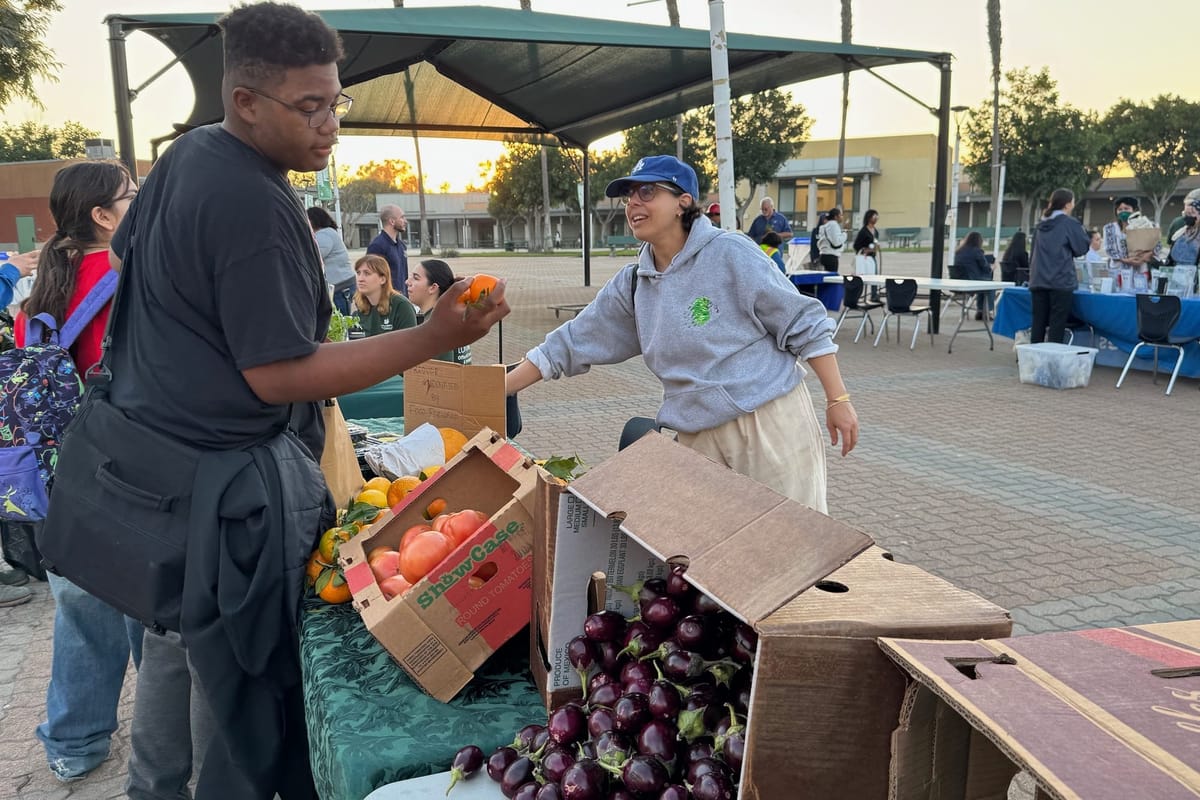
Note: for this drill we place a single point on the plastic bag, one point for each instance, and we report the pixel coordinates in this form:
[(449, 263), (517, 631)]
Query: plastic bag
[(408, 456)]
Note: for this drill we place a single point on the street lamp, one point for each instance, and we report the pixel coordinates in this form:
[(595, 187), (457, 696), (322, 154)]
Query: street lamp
[(953, 221)]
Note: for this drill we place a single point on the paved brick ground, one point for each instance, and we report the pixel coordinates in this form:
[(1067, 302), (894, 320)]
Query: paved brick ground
[(1073, 509)]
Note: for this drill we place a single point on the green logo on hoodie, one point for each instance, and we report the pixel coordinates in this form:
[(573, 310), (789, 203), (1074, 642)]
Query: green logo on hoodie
[(702, 309)]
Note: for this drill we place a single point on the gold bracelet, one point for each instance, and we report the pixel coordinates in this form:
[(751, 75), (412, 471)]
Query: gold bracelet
[(842, 398), (835, 403)]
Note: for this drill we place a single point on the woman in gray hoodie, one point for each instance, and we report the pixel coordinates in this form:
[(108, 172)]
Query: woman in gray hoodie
[(721, 330)]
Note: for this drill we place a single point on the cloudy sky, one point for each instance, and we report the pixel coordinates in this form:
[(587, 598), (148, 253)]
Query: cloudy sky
[(1099, 51)]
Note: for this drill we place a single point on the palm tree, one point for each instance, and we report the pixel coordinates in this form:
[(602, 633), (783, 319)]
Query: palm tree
[(993, 13), (673, 19), (423, 231), (841, 167)]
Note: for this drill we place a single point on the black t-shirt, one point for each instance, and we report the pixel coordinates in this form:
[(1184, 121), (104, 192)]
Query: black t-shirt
[(223, 275)]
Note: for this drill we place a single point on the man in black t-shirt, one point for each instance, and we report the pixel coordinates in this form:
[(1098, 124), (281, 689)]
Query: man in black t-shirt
[(219, 339)]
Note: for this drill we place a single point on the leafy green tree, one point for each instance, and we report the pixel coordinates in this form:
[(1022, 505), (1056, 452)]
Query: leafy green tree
[(32, 141), (24, 56), (606, 167), (768, 129), (1159, 141), (516, 187), (358, 198), (1047, 143)]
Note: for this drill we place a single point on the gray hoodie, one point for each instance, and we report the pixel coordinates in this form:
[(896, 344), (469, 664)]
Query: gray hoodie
[(721, 327)]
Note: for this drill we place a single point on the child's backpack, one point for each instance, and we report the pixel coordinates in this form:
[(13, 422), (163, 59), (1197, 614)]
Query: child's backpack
[(40, 392)]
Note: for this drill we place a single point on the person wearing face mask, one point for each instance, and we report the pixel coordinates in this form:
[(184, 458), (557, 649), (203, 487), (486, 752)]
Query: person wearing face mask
[(1181, 220), (724, 333), (1127, 213), (1185, 242)]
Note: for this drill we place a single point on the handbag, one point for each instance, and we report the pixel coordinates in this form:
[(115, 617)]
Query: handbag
[(120, 504), (339, 463), (864, 265)]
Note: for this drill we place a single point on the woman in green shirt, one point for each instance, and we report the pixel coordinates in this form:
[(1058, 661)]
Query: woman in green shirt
[(426, 283), (378, 306)]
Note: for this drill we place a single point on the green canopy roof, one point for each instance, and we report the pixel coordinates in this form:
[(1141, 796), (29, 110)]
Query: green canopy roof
[(492, 73)]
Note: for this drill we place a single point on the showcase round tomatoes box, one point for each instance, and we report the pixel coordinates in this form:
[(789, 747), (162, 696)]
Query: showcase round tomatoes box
[(477, 597)]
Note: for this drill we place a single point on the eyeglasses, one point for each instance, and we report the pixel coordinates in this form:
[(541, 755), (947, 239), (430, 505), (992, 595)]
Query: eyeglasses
[(646, 192), (317, 117)]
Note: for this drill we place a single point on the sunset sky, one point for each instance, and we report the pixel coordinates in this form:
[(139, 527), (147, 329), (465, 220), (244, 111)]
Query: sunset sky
[(1098, 51)]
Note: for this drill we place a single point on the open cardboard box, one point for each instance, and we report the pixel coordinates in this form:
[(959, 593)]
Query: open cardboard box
[(447, 625), (468, 397), (825, 699), (1108, 714)]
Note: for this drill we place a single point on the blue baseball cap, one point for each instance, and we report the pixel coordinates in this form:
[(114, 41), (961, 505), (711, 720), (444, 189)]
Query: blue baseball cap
[(656, 169)]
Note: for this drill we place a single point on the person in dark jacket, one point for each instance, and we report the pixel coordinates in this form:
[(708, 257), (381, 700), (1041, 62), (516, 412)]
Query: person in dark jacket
[(1014, 264), (1060, 240), (970, 262)]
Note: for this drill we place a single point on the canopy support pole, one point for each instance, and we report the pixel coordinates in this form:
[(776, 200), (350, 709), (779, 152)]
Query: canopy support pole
[(941, 185), (122, 96), (722, 114), (586, 234)]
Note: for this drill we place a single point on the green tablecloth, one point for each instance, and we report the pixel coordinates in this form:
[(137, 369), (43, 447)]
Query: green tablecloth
[(384, 399), (369, 725)]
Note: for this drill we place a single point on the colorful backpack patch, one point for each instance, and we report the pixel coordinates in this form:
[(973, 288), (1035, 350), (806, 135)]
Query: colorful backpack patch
[(40, 393)]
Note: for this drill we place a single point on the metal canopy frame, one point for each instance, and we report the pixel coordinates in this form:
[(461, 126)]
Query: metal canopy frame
[(506, 74)]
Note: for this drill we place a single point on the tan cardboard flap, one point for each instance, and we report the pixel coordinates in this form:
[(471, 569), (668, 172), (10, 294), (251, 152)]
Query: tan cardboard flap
[(1098, 714), (468, 398), (750, 548)]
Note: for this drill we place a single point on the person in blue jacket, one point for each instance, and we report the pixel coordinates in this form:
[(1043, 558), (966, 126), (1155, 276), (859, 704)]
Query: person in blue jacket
[(12, 270), (1052, 280)]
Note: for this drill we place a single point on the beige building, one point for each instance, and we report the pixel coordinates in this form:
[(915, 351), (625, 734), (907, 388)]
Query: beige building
[(892, 174)]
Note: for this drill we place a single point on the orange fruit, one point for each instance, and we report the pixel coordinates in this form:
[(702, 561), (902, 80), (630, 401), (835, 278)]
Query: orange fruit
[(330, 539), (399, 489), (453, 440), (378, 484), (481, 286), (372, 497), (331, 587), (436, 506), (315, 567)]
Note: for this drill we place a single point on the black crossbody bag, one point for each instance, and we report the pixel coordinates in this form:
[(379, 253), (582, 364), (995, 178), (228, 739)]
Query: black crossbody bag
[(119, 508)]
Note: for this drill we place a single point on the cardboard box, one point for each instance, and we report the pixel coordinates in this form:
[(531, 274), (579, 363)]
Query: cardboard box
[(826, 700), (447, 625), (1106, 714), (468, 398)]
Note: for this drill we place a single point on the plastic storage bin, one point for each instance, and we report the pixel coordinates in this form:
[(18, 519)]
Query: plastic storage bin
[(1057, 366)]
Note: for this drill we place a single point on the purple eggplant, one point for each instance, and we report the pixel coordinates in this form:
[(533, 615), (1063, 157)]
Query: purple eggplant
[(674, 791), (519, 773), (604, 626), (498, 762), (599, 720), (631, 712), (549, 791), (567, 724), (585, 780), (582, 655), (604, 695), (658, 738), (527, 791), (713, 786), (661, 612), (645, 776), (691, 632), (467, 762), (555, 763)]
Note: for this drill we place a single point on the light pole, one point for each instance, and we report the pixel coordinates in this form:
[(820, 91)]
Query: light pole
[(954, 181)]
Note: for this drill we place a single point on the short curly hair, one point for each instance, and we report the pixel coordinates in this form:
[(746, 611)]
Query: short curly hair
[(262, 40)]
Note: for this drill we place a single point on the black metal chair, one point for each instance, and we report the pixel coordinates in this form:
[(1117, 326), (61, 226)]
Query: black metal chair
[(853, 303), (1157, 314), (636, 428), (900, 296)]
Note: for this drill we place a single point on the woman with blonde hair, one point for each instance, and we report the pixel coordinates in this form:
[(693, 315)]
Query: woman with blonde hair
[(378, 306)]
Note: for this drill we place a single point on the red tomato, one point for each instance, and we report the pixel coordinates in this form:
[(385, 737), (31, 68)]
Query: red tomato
[(385, 565), (412, 533), (427, 550), (459, 527), (394, 587)]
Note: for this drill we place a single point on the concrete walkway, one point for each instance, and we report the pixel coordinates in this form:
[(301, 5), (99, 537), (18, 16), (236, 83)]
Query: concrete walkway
[(1073, 509)]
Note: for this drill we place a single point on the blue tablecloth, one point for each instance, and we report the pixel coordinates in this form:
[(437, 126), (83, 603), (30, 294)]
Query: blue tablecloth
[(1114, 317), (830, 294)]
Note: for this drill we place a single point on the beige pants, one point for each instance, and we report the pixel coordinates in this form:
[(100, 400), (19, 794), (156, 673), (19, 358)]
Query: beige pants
[(779, 445)]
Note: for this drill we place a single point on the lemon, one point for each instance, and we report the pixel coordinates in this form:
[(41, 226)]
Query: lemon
[(429, 472), (372, 497), (379, 484)]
